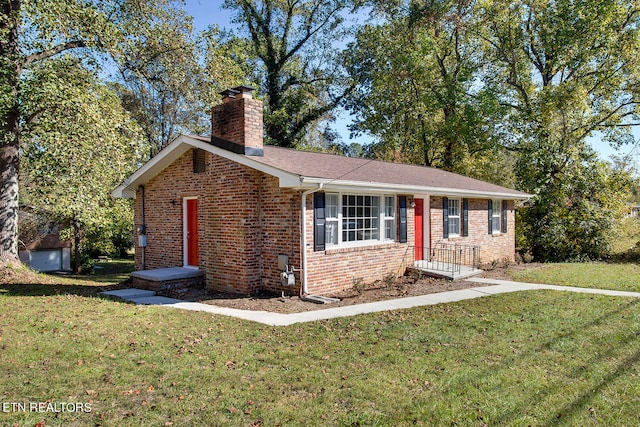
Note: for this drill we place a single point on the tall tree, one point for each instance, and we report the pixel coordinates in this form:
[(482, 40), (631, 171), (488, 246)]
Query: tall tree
[(164, 77), (296, 43), (77, 147), (35, 31), (419, 93), (564, 71), (14, 57)]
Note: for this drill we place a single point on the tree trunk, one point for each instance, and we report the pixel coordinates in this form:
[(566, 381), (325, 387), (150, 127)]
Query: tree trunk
[(10, 69), (77, 267), (9, 164)]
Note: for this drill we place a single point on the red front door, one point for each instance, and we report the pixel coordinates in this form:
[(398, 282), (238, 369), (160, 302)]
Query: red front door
[(419, 226), (192, 232)]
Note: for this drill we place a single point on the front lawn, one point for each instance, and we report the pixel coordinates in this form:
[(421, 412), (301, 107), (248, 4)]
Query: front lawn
[(619, 277), (530, 358)]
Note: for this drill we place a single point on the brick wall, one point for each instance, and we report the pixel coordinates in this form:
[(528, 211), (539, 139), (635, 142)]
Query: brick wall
[(244, 222), (239, 120), (493, 247), (333, 270)]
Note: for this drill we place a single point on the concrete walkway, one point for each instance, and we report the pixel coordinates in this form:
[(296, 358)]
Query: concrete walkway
[(138, 296)]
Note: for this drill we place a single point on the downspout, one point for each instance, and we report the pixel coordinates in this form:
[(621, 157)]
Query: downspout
[(303, 252), (143, 225)]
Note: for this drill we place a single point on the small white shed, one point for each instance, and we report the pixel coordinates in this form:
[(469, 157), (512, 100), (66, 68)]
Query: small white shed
[(47, 253)]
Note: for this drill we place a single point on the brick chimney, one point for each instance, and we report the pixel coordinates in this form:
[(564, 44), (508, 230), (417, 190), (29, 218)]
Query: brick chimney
[(236, 124)]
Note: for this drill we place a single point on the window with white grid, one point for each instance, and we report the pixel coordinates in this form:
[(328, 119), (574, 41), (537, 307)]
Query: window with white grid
[(360, 218), (332, 219), (389, 217), (454, 217), (496, 216)]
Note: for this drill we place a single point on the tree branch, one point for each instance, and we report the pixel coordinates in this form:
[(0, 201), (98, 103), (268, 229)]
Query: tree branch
[(604, 119), (48, 53)]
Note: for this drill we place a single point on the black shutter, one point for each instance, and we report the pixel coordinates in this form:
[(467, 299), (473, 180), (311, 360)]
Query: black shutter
[(402, 203), (490, 209), (465, 217), (504, 217), (445, 217), (319, 222)]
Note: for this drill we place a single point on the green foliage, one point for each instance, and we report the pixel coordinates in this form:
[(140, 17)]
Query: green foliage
[(77, 146), (419, 93), (169, 76), (564, 72), (294, 45), (150, 42), (626, 245), (572, 215)]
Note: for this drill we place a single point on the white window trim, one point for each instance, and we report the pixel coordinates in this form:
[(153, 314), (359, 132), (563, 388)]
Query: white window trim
[(497, 212), (385, 218), (333, 220), (454, 235), (381, 222)]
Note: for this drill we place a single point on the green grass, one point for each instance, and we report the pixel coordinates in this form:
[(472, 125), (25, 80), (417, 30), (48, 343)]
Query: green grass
[(627, 236), (114, 271), (29, 283), (531, 358), (621, 277)]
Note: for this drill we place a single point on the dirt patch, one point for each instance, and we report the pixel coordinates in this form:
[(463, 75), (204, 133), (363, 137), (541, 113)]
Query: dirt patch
[(406, 286), (16, 273)]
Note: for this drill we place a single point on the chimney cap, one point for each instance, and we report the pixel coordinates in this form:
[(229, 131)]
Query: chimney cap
[(229, 93), (243, 89)]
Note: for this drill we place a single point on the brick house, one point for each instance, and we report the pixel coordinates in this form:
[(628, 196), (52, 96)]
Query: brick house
[(243, 213)]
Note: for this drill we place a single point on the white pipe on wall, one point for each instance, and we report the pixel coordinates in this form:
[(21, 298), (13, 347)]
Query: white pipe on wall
[(303, 243)]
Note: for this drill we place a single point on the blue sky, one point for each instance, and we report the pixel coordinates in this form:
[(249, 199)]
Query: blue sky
[(207, 12)]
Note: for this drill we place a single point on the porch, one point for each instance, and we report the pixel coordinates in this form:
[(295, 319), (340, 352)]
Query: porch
[(450, 261), (173, 281)]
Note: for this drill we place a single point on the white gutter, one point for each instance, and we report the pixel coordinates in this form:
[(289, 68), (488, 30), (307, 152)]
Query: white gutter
[(303, 252), (378, 187)]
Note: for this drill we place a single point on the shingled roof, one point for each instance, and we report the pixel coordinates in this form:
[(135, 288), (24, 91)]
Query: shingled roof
[(307, 169), (337, 169)]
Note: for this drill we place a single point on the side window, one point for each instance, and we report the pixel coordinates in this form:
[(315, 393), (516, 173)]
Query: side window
[(454, 217), (389, 217), (496, 217), (331, 212)]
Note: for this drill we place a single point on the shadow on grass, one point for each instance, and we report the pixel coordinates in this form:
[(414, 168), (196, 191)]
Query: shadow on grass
[(589, 368), (26, 282), (39, 290)]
